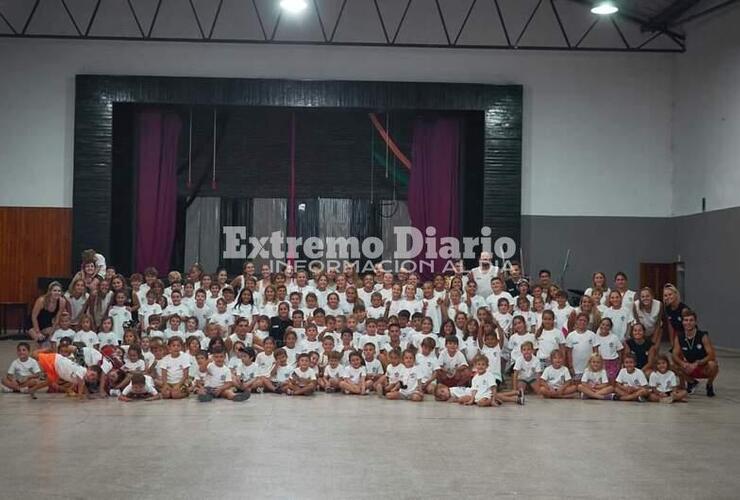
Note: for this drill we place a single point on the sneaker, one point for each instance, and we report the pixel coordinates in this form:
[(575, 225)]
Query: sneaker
[(115, 392), (242, 396), (329, 390), (205, 398), (522, 395), (690, 386), (613, 397), (667, 400), (582, 396), (641, 399), (520, 398), (710, 390)]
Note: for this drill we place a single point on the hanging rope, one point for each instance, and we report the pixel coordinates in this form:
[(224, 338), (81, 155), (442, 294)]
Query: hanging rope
[(389, 141)]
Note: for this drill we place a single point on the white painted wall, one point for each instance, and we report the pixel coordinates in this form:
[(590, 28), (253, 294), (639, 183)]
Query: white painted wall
[(706, 132), (597, 125)]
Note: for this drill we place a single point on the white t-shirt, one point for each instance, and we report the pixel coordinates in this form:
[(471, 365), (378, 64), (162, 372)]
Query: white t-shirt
[(494, 360), (504, 321), (483, 385), (609, 346), (59, 334), (374, 367), (270, 309), (24, 369), (203, 314), (527, 370), (248, 339), (549, 341), (138, 366), (418, 338), (264, 364), (217, 375), (119, 315), (375, 312), (582, 346), (515, 344), (562, 316), (621, 318), (493, 298), (310, 346), (331, 373), (175, 367), (451, 363), (427, 365), (109, 338), (412, 306), (225, 320), (410, 378), (354, 375), (247, 311), (393, 373), (148, 385), (635, 379), (648, 319), (663, 382), (87, 337), (556, 377), (483, 279), (145, 311), (594, 378), (68, 370), (307, 375), (434, 311)]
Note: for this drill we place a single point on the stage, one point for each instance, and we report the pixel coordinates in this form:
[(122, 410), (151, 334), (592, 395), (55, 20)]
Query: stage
[(333, 446)]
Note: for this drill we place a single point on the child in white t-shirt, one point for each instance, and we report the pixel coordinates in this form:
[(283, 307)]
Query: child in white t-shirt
[(482, 390), (354, 376), (392, 378), (549, 338), (610, 347), (555, 381), (140, 388), (631, 383), (332, 375), (519, 336), (245, 372), (174, 371), (453, 369), (594, 383), (580, 346), (106, 335), (279, 374), (373, 366), (302, 381), (410, 384), (663, 383), (86, 335), (527, 369), (219, 382), (64, 330), (23, 372), (428, 363)]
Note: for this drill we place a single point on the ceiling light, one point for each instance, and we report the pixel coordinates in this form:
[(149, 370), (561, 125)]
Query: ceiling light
[(293, 6), (604, 8)]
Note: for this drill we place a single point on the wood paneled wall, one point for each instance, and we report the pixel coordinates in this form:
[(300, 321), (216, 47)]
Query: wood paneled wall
[(34, 242)]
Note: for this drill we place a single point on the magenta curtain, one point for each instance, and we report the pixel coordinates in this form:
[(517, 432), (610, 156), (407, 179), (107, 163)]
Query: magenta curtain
[(433, 193), (158, 136)]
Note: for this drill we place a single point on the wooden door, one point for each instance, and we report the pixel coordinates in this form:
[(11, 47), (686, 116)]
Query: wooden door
[(655, 275)]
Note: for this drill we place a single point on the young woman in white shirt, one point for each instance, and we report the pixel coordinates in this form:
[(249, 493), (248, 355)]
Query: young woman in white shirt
[(620, 316), (266, 278), (76, 298), (598, 280), (621, 286), (649, 312)]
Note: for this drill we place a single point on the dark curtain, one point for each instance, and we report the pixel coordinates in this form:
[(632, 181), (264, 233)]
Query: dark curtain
[(235, 212), (433, 195), (158, 136)]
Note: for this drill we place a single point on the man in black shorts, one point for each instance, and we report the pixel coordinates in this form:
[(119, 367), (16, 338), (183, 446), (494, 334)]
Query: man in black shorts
[(694, 356)]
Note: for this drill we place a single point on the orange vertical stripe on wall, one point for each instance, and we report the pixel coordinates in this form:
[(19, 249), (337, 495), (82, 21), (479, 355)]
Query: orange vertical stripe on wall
[(34, 242)]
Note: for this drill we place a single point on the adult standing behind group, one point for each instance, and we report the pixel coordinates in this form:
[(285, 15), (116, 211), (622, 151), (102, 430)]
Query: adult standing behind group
[(673, 309), (483, 274)]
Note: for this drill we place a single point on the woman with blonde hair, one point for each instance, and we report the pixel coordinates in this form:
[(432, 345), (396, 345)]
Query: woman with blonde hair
[(46, 313), (673, 310), (598, 280)]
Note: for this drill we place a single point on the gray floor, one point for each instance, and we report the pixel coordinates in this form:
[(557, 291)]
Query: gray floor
[(332, 446)]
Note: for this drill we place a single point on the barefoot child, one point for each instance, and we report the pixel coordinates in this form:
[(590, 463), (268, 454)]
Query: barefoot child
[(631, 384), (594, 382)]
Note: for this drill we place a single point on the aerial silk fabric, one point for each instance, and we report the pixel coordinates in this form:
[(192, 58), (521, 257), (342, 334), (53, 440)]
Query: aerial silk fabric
[(392, 215), (433, 194), (158, 140), (268, 215)]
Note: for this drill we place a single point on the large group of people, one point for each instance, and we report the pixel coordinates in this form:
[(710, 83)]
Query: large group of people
[(481, 337)]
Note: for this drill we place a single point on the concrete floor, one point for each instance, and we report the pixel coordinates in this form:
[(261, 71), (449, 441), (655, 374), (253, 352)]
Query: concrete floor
[(332, 446)]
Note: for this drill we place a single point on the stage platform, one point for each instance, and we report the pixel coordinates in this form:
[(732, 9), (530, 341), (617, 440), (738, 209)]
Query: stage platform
[(332, 446)]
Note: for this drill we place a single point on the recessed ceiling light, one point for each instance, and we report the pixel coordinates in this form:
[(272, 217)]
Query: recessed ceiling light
[(604, 8), (293, 6)]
